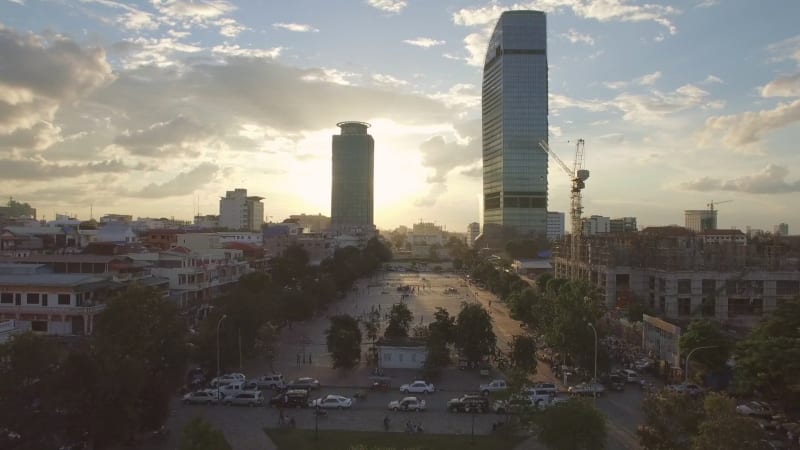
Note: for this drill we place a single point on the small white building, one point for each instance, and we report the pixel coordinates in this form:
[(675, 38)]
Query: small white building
[(401, 353), (119, 232)]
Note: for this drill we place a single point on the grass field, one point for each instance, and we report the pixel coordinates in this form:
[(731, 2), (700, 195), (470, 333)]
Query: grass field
[(294, 439)]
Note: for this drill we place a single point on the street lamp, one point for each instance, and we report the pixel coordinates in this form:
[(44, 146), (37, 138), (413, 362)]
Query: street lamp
[(594, 382), (218, 374), (686, 366)]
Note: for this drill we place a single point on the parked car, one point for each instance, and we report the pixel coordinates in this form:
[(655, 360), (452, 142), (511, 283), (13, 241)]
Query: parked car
[(643, 364), (686, 388), (227, 379), (332, 402), (232, 388), (273, 381), (631, 376), (468, 403), (245, 398), (303, 383), (418, 387), (380, 384), (408, 404), (586, 389), (514, 405), (756, 409), (203, 397), (616, 382), (549, 387), (292, 398), (493, 386)]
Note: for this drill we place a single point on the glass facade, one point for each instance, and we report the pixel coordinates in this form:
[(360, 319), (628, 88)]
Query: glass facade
[(514, 116), (352, 178)]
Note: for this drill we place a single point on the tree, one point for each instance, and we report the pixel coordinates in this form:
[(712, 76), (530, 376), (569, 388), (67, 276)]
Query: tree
[(200, 435), (523, 353), (344, 341), (723, 429), (573, 425), (266, 338), (670, 421), (474, 335), (636, 311), (768, 360), (140, 327), (398, 321), (706, 333)]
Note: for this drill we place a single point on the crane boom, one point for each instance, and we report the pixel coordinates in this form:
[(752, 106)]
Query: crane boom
[(550, 152)]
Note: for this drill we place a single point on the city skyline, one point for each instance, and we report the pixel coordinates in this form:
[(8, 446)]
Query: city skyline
[(143, 107)]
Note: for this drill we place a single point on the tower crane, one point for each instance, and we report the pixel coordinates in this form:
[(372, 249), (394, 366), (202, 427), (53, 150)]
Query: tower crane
[(711, 205), (578, 175)]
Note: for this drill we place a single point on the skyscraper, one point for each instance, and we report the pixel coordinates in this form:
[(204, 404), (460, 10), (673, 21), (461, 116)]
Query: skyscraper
[(514, 117), (353, 163)]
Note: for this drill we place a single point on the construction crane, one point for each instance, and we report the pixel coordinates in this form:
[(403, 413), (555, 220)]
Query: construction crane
[(578, 176), (711, 205)]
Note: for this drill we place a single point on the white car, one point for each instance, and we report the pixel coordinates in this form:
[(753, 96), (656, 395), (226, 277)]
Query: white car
[(493, 386), (273, 381), (757, 409), (204, 397), (332, 402), (227, 379), (417, 387), (587, 389), (408, 404)]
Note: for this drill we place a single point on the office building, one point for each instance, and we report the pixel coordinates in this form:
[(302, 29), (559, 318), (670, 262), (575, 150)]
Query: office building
[(596, 225), (473, 230), (623, 225), (514, 121), (238, 211), (555, 225), (352, 179), (781, 229), (699, 220)]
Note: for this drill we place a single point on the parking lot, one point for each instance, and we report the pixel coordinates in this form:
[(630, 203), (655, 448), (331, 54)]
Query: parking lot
[(243, 426)]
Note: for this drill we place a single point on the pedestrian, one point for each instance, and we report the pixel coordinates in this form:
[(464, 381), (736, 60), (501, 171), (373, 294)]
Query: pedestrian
[(298, 360), (281, 419), (309, 358)]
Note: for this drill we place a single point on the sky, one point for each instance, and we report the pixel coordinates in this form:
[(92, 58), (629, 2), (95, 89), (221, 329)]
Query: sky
[(156, 108)]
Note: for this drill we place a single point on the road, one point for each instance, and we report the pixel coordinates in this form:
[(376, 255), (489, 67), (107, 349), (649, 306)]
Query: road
[(243, 426)]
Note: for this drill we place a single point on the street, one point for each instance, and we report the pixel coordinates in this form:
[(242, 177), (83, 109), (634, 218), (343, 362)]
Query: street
[(243, 426)]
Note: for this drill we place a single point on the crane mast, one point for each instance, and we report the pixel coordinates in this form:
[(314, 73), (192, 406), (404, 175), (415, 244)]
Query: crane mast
[(578, 175)]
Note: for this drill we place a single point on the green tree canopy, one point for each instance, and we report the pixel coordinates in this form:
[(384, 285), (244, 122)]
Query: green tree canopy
[(399, 321), (768, 360), (523, 353), (198, 434), (723, 429), (344, 341), (474, 335), (670, 421), (573, 425), (706, 333)]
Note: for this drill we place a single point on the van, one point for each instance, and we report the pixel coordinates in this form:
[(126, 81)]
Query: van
[(245, 398), (232, 388), (631, 376), (293, 398)]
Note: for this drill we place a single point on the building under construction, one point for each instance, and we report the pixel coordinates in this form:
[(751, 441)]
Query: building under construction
[(682, 274)]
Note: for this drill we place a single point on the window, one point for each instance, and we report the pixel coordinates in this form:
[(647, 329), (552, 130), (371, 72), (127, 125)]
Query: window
[(662, 303), (684, 306), (39, 325), (709, 307), (709, 287), (32, 299), (414, 357), (744, 307), (7, 298), (64, 299), (684, 286), (400, 357)]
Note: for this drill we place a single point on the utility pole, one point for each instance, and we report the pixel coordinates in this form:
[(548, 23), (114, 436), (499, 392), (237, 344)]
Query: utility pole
[(218, 374)]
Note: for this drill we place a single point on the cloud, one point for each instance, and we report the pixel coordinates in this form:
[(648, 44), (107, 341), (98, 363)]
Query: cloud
[(424, 42), (649, 79), (235, 50), (38, 76), (707, 3), (770, 180), (745, 129), (229, 27), (296, 27), (177, 136), (602, 11), (159, 52), (786, 49), (786, 86), (443, 156), (182, 184), (389, 6), (388, 80), (132, 19), (653, 106), (193, 11), (558, 102), (435, 191), (462, 95), (576, 37), (35, 169), (710, 79), (333, 76)]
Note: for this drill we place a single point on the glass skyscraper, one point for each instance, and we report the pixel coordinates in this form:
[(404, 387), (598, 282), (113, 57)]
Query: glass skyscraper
[(514, 116), (352, 178)]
